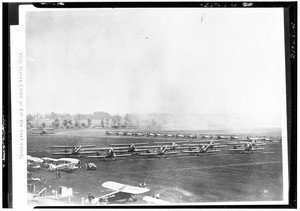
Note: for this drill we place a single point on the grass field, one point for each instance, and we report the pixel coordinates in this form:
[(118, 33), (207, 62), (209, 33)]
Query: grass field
[(224, 177)]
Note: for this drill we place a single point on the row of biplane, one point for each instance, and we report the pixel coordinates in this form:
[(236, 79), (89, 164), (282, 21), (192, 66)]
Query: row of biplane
[(157, 149), (186, 135)]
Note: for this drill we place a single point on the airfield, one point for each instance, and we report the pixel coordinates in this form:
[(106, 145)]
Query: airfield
[(223, 177)]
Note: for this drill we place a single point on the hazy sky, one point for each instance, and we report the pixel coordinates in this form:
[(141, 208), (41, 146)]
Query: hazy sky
[(202, 61)]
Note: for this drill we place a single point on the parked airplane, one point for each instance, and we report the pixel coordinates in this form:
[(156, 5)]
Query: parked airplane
[(33, 163), (131, 148), (151, 134), (139, 134), (243, 147), (109, 133), (234, 137), (191, 136), (210, 143), (66, 167), (73, 150), (128, 133), (161, 151), (158, 135), (206, 136), (108, 154), (221, 137), (120, 192), (168, 135), (259, 138), (172, 145), (204, 148), (120, 133), (180, 135)]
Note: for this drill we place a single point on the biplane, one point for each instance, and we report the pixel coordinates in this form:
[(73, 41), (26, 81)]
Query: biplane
[(121, 193), (243, 147), (120, 133), (221, 137), (139, 134), (64, 164), (151, 134), (192, 136), (234, 137), (106, 154), (132, 148), (203, 148), (159, 135), (160, 151), (33, 163), (109, 133), (178, 135), (73, 150), (128, 133), (172, 145), (205, 136), (210, 143), (168, 135)]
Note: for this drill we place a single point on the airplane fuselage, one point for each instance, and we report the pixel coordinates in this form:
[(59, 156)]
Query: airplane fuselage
[(118, 197)]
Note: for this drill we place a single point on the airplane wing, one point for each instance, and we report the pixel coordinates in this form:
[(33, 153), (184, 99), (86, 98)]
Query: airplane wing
[(103, 156), (96, 156), (259, 144), (61, 153), (219, 146), (124, 188), (152, 200), (87, 146), (62, 147), (65, 147), (212, 151), (171, 142), (97, 149), (128, 145), (172, 152)]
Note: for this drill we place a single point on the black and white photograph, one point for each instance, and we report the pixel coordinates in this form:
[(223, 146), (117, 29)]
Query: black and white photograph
[(154, 106)]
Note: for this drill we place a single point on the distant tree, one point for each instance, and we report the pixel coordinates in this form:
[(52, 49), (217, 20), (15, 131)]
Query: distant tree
[(114, 121), (77, 124), (83, 125), (70, 122), (29, 125), (65, 123), (89, 122), (127, 120), (30, 117), (43, 124), (107, 123), (56, 123), (102, 122)]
